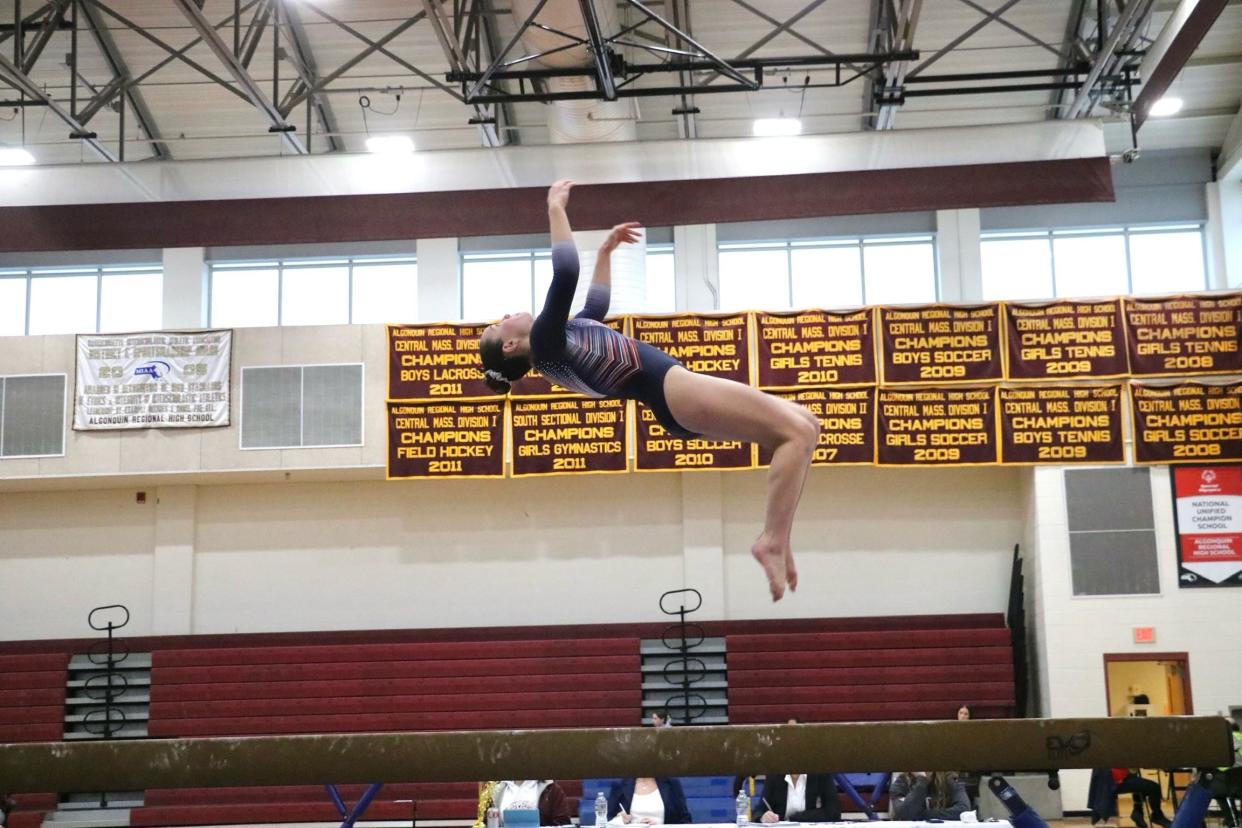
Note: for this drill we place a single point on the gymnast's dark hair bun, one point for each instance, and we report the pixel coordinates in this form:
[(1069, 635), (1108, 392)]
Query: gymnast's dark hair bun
[(497, 381)]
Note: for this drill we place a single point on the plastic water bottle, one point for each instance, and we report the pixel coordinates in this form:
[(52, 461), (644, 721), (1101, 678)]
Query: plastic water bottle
[(601, 810), (743, 808)]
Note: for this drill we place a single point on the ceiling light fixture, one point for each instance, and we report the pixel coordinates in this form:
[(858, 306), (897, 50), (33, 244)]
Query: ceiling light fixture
[(769, 127), (390, 144), (15, 157), (1165, 106)]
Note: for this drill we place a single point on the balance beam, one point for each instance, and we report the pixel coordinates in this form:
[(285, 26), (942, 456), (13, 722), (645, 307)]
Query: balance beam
[(997, 744)]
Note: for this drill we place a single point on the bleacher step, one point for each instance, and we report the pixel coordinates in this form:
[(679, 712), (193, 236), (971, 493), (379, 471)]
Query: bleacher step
[(130, 681), (129, 697), (134, 661), (90, 802), (97, 818), (123, 733)]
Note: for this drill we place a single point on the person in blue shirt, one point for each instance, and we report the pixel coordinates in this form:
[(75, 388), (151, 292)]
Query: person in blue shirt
[(586, 356)]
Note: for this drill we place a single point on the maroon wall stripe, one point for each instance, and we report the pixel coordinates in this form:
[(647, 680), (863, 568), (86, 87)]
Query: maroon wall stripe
[(513, 633), (1187, 39), (326, 219)]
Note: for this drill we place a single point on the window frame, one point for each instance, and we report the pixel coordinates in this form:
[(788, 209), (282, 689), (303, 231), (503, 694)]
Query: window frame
[(1125, 231), (860, 243), (29, 274), (280, 265), (530, 255)]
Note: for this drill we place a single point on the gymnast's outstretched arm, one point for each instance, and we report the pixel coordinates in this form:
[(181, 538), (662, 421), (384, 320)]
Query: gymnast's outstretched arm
[(547, 334), (600, 294)]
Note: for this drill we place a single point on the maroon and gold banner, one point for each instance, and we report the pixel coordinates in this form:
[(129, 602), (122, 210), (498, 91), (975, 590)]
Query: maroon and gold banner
[(846, 421), (1187, 423), (1185, 335), (716, 345), (936, 427), (1061, 340), (436, 361), (657, 450), (569, 435), (939, 343), (1061, 424), (535, 384), (452, 438), (806, 348)]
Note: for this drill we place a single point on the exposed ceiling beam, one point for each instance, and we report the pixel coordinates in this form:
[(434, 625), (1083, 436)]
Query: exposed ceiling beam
[(905, 23), (308, 71), (1108, 58), (107, 46), (234, 65), (50, 25), (687, 123), (484, 116), (373, 46), (19, 80), (1174, 45), (988, 17)]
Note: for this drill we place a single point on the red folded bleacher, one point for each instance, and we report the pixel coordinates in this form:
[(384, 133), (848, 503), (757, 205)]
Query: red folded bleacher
[(924, 672)]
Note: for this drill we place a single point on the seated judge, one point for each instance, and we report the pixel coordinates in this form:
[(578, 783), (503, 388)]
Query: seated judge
[(648, 801), (915, 796), (798, 797)]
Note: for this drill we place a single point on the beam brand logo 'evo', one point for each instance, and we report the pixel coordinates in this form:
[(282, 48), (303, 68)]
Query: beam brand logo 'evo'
[(155, 369), (1062, 747)]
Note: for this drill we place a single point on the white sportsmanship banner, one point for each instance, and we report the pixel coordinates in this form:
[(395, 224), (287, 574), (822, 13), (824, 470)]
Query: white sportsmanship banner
[(1208, 501), (160, 379)]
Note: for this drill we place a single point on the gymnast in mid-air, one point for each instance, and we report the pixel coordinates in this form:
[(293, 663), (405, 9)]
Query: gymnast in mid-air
[(588, 357)]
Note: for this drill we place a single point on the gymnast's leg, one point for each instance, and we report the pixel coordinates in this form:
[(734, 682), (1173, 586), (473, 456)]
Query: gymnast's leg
[(725, 410)]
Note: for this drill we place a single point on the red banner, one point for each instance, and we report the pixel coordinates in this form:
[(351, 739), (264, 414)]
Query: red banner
[(1187, 423), (568, 435), (452, 438), (1185, 335), (716, 345), (940, 343), (1062, 340), (936, 427), (657, 450), (437, 361), (846, 422), (1061, 424), (814, 348)]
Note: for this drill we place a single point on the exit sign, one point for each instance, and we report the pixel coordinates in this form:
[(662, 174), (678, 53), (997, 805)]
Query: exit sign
[(1144, 635)]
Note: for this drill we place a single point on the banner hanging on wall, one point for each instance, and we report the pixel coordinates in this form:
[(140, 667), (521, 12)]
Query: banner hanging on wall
[(1065, 340), (814, 348), (1190, 422), (1185, 335), (449, 438), (158, 379), (936, 427), (846, 422), (1208, 511), (1061, 424), (435, 361), (570, 434), (706, 344), (940, 343)]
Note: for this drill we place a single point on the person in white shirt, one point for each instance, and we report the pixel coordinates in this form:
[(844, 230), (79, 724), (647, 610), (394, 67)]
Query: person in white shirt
[(648, 801), (798, 797)]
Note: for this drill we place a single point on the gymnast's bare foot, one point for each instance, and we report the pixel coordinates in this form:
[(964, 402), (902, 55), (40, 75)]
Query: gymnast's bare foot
[(791, 571), (774, 557)]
